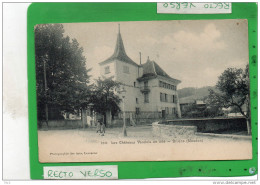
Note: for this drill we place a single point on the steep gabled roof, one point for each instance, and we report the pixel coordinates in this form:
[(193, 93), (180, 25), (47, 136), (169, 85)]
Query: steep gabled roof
[(151, 70), (119, 53)]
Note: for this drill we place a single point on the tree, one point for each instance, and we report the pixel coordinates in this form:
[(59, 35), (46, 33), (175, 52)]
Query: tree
[(194, 110), (104, 98), (233, 91), (213, 111), (189, 111), (61, 74)]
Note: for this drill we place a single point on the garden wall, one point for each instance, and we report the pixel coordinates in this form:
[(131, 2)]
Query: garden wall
[(173, 131), (66, 124), (134, 122), (212, 124)]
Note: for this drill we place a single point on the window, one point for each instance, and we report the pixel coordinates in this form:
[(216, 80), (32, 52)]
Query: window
[(170, 110), (167, 86), (166, 98), (146, 98), (173, 99), (126, 69), (107, 70), (164, 85), (134, 84), (170, 98), (160, 84), (137, 110), (161, 96), (167, 110), (173, 110), (146, 83), (136, 100)]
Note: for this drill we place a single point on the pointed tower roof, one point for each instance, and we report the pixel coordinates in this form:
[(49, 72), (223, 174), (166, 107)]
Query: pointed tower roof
[(119, 53)]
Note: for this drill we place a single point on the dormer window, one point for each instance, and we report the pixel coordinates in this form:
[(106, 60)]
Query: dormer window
[(126, 69), (107, 70)]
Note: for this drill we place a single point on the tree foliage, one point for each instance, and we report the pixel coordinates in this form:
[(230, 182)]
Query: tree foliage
[(104, 97), (66, 73), (233, 87), (196, 111)]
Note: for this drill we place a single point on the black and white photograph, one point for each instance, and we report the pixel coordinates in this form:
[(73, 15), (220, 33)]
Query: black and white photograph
[(143, 91)]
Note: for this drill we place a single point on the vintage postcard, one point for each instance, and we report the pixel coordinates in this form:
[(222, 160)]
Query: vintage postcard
[(143, 91)]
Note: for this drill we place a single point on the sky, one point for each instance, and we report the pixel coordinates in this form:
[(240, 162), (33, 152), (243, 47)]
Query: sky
[(193, 51)]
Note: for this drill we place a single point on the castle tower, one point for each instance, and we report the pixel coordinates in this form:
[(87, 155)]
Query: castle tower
[(149, 89), (124, 70)]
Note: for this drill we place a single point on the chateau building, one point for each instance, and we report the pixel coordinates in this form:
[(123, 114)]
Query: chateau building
[(148, 87)]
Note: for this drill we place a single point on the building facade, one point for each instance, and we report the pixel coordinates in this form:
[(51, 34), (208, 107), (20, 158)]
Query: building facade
[(148, 87)]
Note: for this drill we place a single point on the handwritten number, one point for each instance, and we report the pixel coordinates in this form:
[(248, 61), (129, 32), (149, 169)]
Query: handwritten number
[(165, 5), (108, 174), (178, 6), (211, 5)]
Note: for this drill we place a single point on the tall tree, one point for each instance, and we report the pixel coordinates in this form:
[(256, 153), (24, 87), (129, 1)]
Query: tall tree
[(104, 98), (233, 91), (61, 74)]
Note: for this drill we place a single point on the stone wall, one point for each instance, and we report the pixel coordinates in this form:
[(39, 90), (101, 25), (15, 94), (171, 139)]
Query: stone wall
[(212, 125), (173, 131), (143, 118), (133, 122), (63, 124)]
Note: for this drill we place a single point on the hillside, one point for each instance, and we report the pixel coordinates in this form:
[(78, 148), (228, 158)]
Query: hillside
[(190, 93)]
